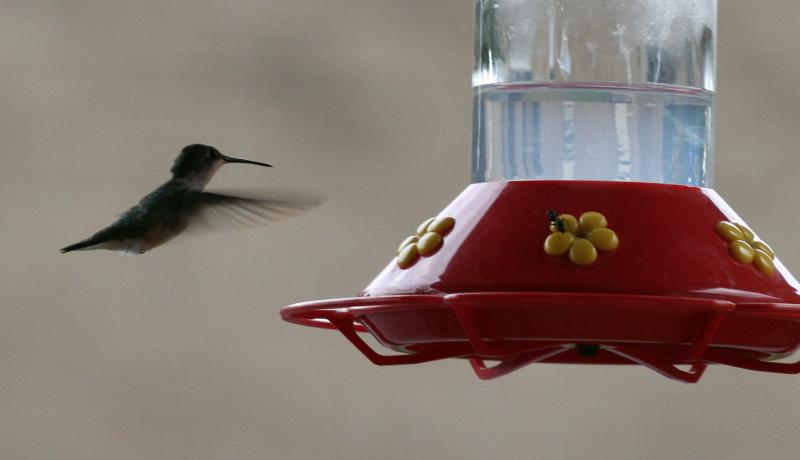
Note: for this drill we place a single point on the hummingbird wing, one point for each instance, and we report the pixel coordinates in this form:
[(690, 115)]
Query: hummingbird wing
[(209, 211)]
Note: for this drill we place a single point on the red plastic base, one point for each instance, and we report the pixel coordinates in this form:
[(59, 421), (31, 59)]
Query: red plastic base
[(522, 328), (670, 295)]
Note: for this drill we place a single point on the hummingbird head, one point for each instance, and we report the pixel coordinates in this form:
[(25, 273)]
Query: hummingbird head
[(198, 163)]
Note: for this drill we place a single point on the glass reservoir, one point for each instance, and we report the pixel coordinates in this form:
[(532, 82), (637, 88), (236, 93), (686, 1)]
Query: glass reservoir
[(594, 90)]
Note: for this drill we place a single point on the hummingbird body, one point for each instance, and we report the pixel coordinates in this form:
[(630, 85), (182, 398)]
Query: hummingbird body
[(181, 203), (160, 216)]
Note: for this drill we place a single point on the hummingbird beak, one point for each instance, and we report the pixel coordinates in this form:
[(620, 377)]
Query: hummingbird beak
[(228, 159)]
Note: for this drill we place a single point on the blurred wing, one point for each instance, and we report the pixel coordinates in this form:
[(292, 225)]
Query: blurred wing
[(211, 212)]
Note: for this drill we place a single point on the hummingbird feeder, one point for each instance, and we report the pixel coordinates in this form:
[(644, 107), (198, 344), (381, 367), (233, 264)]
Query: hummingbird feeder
[(590, 233)]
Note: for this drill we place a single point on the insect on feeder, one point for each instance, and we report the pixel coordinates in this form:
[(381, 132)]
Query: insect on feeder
[(590, 233)]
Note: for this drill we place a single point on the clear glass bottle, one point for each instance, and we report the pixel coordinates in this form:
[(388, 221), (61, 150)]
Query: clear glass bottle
[(594, 90)]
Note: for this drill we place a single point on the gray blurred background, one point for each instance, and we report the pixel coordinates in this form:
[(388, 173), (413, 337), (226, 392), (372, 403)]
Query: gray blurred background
[(181, 353)]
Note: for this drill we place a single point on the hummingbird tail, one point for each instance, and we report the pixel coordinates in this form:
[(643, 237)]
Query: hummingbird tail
[(85, 245)]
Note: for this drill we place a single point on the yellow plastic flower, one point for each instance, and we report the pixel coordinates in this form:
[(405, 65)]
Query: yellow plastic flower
[(580, 238), (745, 248), (428, 239)]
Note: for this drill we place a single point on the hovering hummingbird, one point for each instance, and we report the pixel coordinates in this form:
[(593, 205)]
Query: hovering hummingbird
[(181, 204)]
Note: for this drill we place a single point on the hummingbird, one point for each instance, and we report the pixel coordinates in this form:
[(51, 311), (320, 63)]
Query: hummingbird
[(182, 204)]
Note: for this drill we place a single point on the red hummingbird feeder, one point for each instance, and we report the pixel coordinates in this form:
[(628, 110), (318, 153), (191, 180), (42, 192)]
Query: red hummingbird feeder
[(590, 234)]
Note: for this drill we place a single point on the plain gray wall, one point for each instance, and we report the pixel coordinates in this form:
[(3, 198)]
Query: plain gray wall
[(181, 354)]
